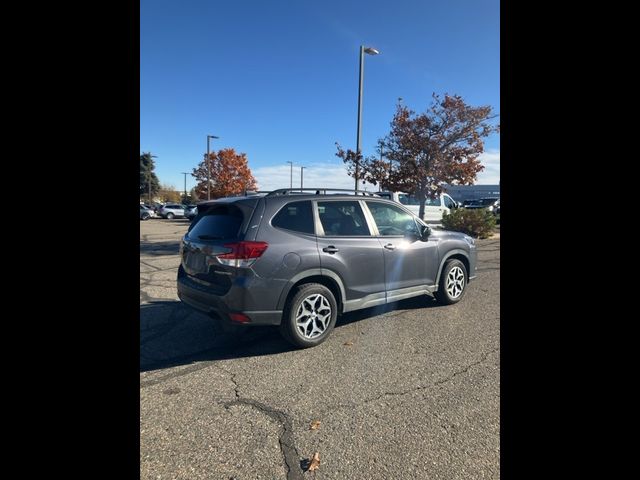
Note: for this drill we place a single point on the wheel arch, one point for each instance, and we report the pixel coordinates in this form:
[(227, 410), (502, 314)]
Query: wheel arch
[(324, 277), (458, 254)]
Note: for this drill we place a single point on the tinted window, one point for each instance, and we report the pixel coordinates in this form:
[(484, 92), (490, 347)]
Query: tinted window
[(219, 222), (296, 216), (408, 199), (412, 200), (392, 220), (448, 202), (342, 219)]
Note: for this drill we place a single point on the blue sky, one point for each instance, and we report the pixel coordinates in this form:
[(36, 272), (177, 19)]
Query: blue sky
[(278, 80)]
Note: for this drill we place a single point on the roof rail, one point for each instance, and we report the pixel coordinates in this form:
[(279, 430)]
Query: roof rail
[(318, 191)]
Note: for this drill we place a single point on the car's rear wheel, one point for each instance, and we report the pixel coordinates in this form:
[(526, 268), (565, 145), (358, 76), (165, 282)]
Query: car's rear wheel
[(453, 282), (170, 215), (145, 216), (309, 316)]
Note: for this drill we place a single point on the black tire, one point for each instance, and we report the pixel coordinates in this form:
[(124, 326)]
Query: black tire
[(169, 216), (288, 327), (443, 295), (145, 216)]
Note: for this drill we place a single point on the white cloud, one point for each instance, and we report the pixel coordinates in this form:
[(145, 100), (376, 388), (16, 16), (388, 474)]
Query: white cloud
[(491, 173), (320, 176), (333, 175)]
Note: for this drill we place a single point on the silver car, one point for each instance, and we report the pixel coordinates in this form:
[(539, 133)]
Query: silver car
[(171, 210), (146, 213), (191, 211)]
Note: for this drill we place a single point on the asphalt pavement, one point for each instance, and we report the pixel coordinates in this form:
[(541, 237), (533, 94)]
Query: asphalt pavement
[(405, 391)]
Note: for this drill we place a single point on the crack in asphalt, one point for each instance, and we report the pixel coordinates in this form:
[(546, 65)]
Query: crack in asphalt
[(233, 380), (158, 269), (415, 389), (180, 373), (285, 439), (466, 369), (149, 265)]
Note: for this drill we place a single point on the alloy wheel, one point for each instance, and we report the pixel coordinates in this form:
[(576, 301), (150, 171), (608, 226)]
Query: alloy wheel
[(455, 282), (313, 316)]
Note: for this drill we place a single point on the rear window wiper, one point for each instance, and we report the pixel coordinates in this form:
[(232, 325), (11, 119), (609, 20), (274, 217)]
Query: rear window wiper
[(209, 237)]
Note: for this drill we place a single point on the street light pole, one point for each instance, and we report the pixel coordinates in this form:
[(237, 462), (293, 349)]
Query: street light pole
[(301, 181), (185, 186), (370, 51), (291, 175), (209, 168)]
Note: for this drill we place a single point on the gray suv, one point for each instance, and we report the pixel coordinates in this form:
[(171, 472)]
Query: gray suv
[(298, 259)]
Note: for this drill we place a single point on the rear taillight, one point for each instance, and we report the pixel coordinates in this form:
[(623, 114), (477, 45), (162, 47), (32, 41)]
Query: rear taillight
[(242, 254)]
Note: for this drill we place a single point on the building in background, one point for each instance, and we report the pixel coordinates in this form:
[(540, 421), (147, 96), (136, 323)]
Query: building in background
[(460, 193)]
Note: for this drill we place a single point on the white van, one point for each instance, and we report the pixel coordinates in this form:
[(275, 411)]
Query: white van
[(434, 208)]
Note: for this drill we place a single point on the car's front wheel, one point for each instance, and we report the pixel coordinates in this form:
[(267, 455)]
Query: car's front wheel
[(453, 282), (145, 216), (169, 215), (309, 316)]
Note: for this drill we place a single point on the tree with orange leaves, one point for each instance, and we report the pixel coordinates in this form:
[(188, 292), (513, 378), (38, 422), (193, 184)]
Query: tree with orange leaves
[(230, 175), (428, 150)]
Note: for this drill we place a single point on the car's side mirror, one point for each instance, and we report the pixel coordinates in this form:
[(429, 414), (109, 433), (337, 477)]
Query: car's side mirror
[(426, 231)]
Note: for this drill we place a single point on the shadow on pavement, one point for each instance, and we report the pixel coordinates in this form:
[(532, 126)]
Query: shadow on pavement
[(173, 334), (160, 248)]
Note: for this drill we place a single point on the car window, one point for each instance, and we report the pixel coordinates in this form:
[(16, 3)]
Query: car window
[(219, 222), (392, 220), (448, 202), (296, 216), (432, 202), (406, 199), (342, 219)]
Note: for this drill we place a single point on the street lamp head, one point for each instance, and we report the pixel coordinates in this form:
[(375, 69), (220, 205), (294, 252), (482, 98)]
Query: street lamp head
[(371, 51), (212, 136)]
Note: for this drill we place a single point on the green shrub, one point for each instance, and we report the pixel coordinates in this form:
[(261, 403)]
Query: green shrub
[(475, 222)]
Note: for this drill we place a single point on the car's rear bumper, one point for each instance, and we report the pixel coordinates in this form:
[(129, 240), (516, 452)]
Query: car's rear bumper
[(200, 298)]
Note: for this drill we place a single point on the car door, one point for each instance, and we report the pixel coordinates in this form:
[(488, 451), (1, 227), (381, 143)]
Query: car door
[(449, 204), (433, 209), (349, 251), (410, 264)]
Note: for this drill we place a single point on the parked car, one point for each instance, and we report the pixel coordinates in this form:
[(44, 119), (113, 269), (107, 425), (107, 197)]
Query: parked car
[(490, 203), (434, 208), (298, 260), (171, 210), (191, 211), (146, 213)]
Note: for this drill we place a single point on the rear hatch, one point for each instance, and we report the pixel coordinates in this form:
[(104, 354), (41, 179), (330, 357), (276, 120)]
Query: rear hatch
[(214, 251)]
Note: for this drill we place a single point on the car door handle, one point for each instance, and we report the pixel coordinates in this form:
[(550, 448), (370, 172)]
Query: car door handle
[(390, 246), (330, 249)]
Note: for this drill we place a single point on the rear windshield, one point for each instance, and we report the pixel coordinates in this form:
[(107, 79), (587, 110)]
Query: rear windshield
[(218, 222)]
